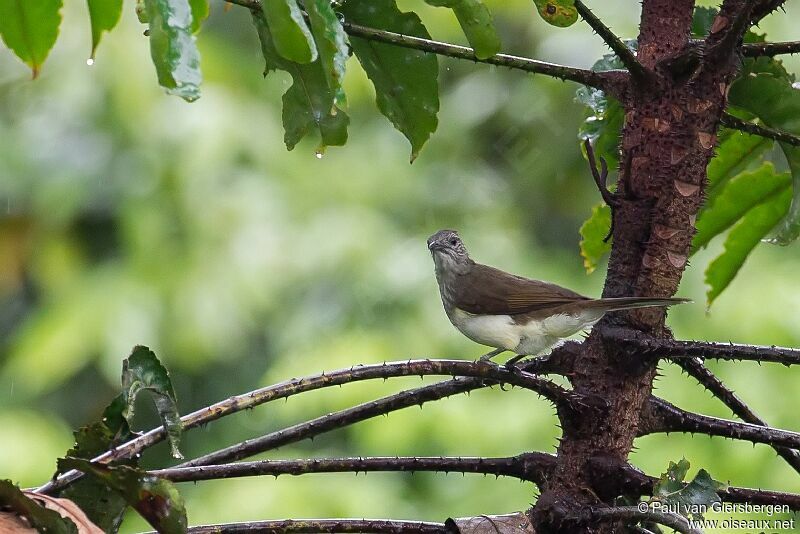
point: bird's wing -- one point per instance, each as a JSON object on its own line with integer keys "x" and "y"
{"x": 490, "y": 291}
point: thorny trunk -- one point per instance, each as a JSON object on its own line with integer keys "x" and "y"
{"x": 668, "y": 140}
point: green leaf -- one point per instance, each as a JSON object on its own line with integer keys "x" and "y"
{"x": 156, "y": 500}
{"x": 290, "y": 35}
{"x": 561, "y": 13}
{"x": 593, "y": 232}
{"x": 103, "y": 15}
{"x": 740, "y": 195}
{"x": 605, "y": 116}
{"x": 172, "y": 47}
{"x": 671, "y": 488}
{"x": 142, "y": 371}
{"x": 405, "y": 80}
{"x": 476, "y": 22}
{"x": 766, "y": 90}
{"x": 30, "y": 28}
{"x": 332, "y": 45}
{"x": 702, "y": 20}
{"x": 105, "y": 509}
{"x": 200, "y": 12}
{"x": 742, "y": 239}
{"x": 310, "y": 103}
{"x": 37, "y": 516}
{"x": 735, "y": 152}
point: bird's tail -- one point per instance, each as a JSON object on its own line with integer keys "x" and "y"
{"x": 627, "y": 303}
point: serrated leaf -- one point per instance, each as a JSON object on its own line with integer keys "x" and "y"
{"x": 593, "y": 232}
{"x": 156, "y": 500}
{"x": 701, "y": 490}
{"x": 173, "y": 48}
{"x": 37, "y": 516}
{"x": 103, "y": 16}
{"x": 290, "y": 36}
{"x": 477, "y": 24}
{"x": 737, "y": 197}
{"x": 742, "y": 239}
{"x": 105, "y": 509}
{"x": 200, "y": 12}
{"x": 405, "y": 80}
{"x": 142, "y": 371}
{"x": 30, "y": 28}
{"x": 310, "y": 103}
{"x": 332, "y": 45}
{"x": 561, "y": 13}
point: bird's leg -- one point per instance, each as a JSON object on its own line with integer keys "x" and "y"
{"x": 511, "y": 363}
{"x": 489, "y": 355}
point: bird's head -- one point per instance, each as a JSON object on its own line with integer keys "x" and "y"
{"x": 447, "y": 248}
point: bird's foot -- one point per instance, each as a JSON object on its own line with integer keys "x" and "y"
{"x": 489, "y": 355}
{"x": 511, "y": 364}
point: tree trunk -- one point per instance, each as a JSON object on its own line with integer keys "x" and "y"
{"x": 668, "y": 139}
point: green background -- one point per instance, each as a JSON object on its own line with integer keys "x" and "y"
{"x": 130, "y": 217}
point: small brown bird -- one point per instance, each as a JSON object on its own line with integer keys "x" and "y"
{"x": 511, "y": 312}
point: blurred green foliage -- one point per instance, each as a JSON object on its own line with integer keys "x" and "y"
{"x": 130, "y": 217}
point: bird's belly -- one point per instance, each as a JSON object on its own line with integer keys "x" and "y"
{"x": 498, "y": 331}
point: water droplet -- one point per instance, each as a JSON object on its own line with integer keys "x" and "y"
{"x": 90, "y": 61}
{"x": 319, "y": 153}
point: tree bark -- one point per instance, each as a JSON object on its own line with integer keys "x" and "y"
{"x": 668, "y": 139}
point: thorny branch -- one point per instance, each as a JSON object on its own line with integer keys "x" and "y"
{"x": 770, "y": 49}
{"x": 281, "y": 526}
{"x": 628, "y": 58}
{"x": 661, "y": 416}
{"x": 671, "y": 349}
{"x": 695, "y": 367}
{"x": 478, "y": 370}
{"x": 731, "y": 121}
{"x": 532, "y": 467}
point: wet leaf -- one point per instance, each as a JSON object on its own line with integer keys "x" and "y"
{"x": 737, "y": 197}
{"x": 477, "y": 23}
{"x": 405, "y": 80}
{"x": 173, "y": 48}
{"x": 332, "y": 45}
{"x": 561, "y": 13}
{"x": 37, "y": 516}
{"x": 700, "y": 491}
{"x": 742, "y": 239}
{"x": 593, "y": 232}
{"x": 736, "y": 151}
{"x": 290, "y": 36}
{"x": 103, "y": 16}
{"x": 30, "y": 28}
{"x": 156, "y": 500}
{"x": 142, "y": 371}
{"x": 199, "y": 13}
{"x": 310, "y": 101}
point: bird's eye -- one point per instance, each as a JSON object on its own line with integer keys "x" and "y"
{"x": 454, "y": 242}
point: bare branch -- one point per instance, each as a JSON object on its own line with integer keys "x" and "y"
{"x": 281, "y": 526}
{"x": 662, "y": 416}
{"x": 633, "y": 514}
{"x": 727, "y": 29}
{"x": 610, "y": 81}
{"x": 342, "y": 418}
{"x": 751, "y": 128}
{"x": 637, "y": 70}
{"x": 695, "y": 368}
{"x": 671, "y": 349}
{"x": 532, "y": 467}
{"x": 342, "y": 376}
{"x": 770, "y": 49}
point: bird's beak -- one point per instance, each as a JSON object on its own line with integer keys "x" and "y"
{"x": 433, "y": 245}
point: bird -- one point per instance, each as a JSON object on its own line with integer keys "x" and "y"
{"x": 514, "y": 313}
